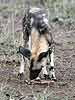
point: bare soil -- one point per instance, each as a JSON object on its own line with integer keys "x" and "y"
{"x": 63, "y": 89}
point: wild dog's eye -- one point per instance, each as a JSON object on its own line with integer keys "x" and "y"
{"x": 42, "y": 55}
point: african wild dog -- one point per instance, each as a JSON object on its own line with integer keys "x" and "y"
{"x": 37, "y": 39}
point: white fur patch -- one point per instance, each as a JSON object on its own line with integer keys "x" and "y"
{"x": 52, "y": 59}
{"x": 52, "y": 73}
{"x": 45, "y": 20}
{"x": 32, "y": 20}
{"x": 22, "y": 65}
{"x": 43, "y": 63}
{"x": 44, "y": 70}
{"x": 30, "y": 43}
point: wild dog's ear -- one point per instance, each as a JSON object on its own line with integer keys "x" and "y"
{"x": 25, "y": 52}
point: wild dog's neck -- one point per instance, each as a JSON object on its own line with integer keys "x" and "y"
{"x": 38, "y": 43}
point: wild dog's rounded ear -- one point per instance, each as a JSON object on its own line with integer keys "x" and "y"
{"x": 25, "y": 52}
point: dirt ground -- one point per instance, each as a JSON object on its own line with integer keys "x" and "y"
{"x": 63, "y": 89}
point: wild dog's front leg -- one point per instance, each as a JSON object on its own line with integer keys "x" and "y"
{"x": 22, "y": 59}
{"x": 21, "y": 70}
{"x": 52, "y": 71}
{"x": 44, "y": 69}
{"x": 22, "y": 65}
{"x": 52, "y": 59}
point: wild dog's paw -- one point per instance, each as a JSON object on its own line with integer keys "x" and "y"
{"x": 52, "y": 73}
